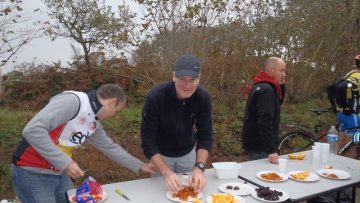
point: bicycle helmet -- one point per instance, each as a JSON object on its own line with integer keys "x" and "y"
{"x": 357, "y": 61}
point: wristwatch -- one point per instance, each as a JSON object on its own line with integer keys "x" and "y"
{"x": 200, "y": 165}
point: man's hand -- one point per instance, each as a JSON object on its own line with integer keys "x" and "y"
{"x": 74, "y": 171}
{"x": 273, "y": 158}
{"x": 197, "y": 179}
{"x": 149, "y": 168}
{"x": 172, "y": 180}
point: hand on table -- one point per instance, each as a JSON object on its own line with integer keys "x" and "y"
{"x": 172, "y": 181}
{"x": 273, "y": 158}
{"x": 74, "y": 171}
{"x": 197, "y": 179}
{"x": 149, "y": 168}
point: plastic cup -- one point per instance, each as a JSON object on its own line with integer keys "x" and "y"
{"x": 325, "y": 152}
{"x": 317, "y": 144}
{"x": 282, "y": 165}
{"x": 316, "y": 152}
{"x": 184, "y": 178}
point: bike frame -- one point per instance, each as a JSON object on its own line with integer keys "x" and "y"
{"x": 320, "y": 130}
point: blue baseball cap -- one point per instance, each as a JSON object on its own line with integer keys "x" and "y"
{"x": 187, "y": 65}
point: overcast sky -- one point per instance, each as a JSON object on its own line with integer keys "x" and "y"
{"x": 46, "y": 51}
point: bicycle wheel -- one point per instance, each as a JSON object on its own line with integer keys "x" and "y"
{"x": 294, "y": 141}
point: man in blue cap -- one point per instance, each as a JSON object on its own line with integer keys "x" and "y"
{"x": 176, "y": 127}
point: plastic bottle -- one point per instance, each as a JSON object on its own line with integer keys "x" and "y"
{"x": 356, "y": 137}
{"x": 332, "y": 138}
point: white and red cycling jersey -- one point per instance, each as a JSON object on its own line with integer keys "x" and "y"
{"x": 66, "y": 136}
{"x": 61, "y": 126}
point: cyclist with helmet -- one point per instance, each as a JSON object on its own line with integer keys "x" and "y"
{"x": 354, "y": 75}
{"x": 349, "y": 118}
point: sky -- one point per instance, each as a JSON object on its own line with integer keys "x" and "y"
{"x": 44, "y": 50}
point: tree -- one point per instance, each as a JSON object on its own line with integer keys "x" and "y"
{"x": 14, "y": 31}
{"x": 89, "y": 23}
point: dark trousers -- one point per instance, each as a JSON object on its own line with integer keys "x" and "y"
{"x": 256, "y": 155}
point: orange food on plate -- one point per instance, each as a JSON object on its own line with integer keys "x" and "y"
{"x": 331, "y": 175}
{"x": 300, "y": 156}
{"x": 271, "y": 176}
{"x": 186, "y": 192}
{"x": 196, "y": 201}
{"x": 328, "y": 167}
{"x": 223, "y": 198}
{"x": 301, "y": 175}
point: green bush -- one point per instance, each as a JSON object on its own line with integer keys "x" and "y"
{"x": 11, "y": 125}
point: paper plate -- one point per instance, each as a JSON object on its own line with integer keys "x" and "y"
{"x": 283, "y": 176}
{"x": 282, "y": 198}
{"x": 328, "y": 173}
{"x": 244, "y": 189}
{"x": 311, "y": 178}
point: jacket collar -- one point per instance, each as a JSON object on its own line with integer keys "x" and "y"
{"x": 263, "y": 77}
{"x": 94, "y": 102}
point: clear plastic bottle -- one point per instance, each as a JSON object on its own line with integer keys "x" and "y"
{"x": 332, "y": 138}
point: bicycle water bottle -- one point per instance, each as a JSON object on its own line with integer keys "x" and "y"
{"x": 332, "y": 138}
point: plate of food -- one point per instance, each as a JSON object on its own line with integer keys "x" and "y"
{"x": 99, "y": 197}
{"x": 335, "y": 174}
{"x": 303, "y": 176}
{"x": 236, "y": 188}
{"x": 224, "y": 198}
{"x": 268, "y": 194}
{"x": 186, "y": 194}
{"x": 271, "y": 176}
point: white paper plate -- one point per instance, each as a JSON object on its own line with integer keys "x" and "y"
{"x": 282, "y": 198}
{"x": 190, "y": 199}
{"x": 311, "y": 178}
{"x": 284, "y": 176}
{"x": 342, "y": 175}
{"x": 238, "y": 199}
{"x": 244, "y": 189}
{"x": 104, "y": 197}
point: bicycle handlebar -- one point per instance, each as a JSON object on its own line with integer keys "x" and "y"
{"x": 320, "y": 110}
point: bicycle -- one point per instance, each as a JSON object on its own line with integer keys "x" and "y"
{"x": 301, "y": 138}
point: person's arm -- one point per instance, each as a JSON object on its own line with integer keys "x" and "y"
{"x": 204, "y": 140}
{"x": 265, "y": 105}
{"x": 58, "y": 111}
{"x": 115, "y": 152}
{"x": 149, "y": 128}
{"x": 204, "y": 124}
{"x": 149, "y": 133}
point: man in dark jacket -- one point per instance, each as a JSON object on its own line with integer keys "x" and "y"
{"x": 176, "y": 128}
{"x": 260, "y": 135}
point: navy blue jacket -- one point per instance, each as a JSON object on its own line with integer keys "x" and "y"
{"x": 171, "y": 126}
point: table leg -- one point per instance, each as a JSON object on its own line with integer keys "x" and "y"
{"x": 338, "y": 194}
{"x": 353, "y": 194}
